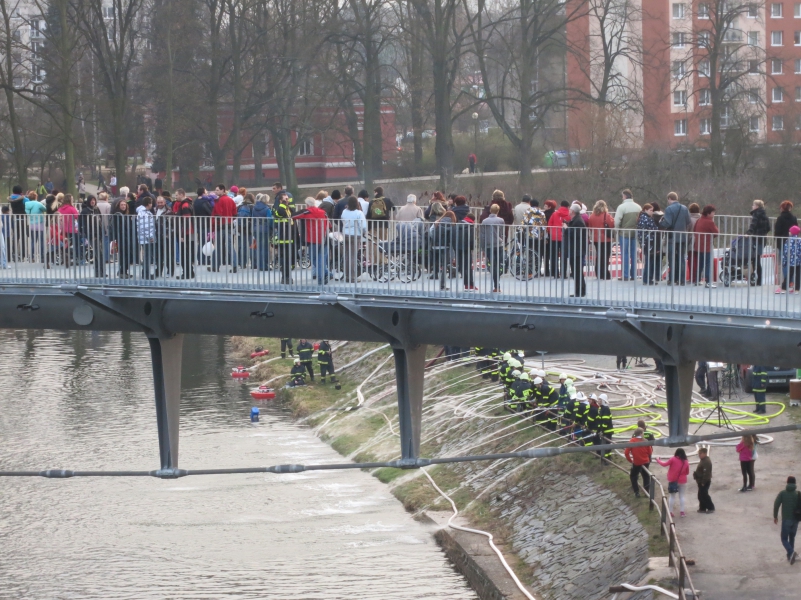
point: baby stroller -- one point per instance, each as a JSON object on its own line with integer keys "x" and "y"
{"x": 738, "y": 260}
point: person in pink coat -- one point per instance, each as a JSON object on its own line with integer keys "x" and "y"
{"x": 68, "y": 224}
{"x": 678, "y": 469}
{"x": 747, "y": 451}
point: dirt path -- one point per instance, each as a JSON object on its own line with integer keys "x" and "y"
{"x": 737, "y": 550}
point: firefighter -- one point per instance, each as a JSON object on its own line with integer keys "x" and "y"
{"x": 305, "y": 351}
{"x": 759, "y": 385}
{"x": 564, "y": 394}
{"x": 581, "y": 419}
{"x": 285, "y": 236}
{"x": 481, "y": 355}
{"x": 488, "y": 364}
{"x": 286, "y": 344}
{"x": 569, "y": 415}
{"x": 593, "y": 423}
{"x": 605, "y": 422}
{"x": 297, "y": 376}
{"x": 503, "y": 367}
{"x": 495, "y": 359}
{"x": 520, "y": 392}
{"x": 325, "y": 359}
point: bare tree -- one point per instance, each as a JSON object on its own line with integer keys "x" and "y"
{"x": 12, "y": 71}
{"x": 112, "y": 33}
{"x": 728, "y": 63}
{"x": 445, "y": 30}
{"x": 519, "y": 51}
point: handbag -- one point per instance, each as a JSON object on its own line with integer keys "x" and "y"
{"x": 673, "y": 487}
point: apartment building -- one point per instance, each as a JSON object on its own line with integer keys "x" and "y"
{"x": 672, "y": 49}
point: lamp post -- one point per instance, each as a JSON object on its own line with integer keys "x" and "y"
{"x": 475, "y": 132}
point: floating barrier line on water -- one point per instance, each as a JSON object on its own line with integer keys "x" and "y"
{"x": 411, "y": 463}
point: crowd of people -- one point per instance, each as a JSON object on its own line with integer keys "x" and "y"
{"x": 447, "y": 237}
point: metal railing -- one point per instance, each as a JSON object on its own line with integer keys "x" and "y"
{"x": 725, "y": 273}
{"x": 667, "y": 528}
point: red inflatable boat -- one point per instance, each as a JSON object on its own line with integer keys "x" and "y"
{"x": 240, "y": 372}
{"x": 259, "y": 353}
{"x": 262, "y": 393}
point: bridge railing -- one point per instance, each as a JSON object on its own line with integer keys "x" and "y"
{"x": 729, "y": 273}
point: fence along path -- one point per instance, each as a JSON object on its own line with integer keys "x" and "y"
{"x": 409, "y": 259}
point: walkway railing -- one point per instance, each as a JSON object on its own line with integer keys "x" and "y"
{"x": 728, "y": 273}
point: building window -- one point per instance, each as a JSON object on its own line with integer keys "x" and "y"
{"x": 753, "y": 123}
{"x": 776, "y": 10}
{"x": 679, "y": 98}
{"x": 678, "y": 69}
{"x": 753, "y": 11}
{"x": 753, "y": 38}
{"x": 797, "y": 66}
{"x": 798, "y": 122}
{"x": 306, "y": 148}
{"x": 798, "y": 94}
{"x": 777, "y": 123}
{"x": 37, "y": 74}
{"x": 797, "y": 38}
{"x": 680, "y": 125}
{"x": 108, "y": 12}
{"x": 776, "y": 66}
{"x": 703, "y": 68}
{"x": 703, "y": 39}
{"x": 778, "y": 94}
{"x": 678, "y": 11}
{"x": 704, "y": 97}
{"x": 797, "y": 10}
{"x": 725, "y": 117}
{"x": 706, "y": 126}
{"x": 753, "y": 66}
{"x": 753, "y": 96}
{"x": 776, "y": 38}
{"x": 703, "y": 11}
{"x": 678, "y": 39}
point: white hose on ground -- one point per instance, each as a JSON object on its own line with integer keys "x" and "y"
{"x": 359, "y": 394}
{"x": 506, "y": 566}
{"x": 655, "y": 588}
{"x": 363, "y": 356}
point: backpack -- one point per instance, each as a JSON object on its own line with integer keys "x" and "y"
{"x": 379, "y": 209}
{"x": 244, "y": 211}
{"x": 797, "y": 511}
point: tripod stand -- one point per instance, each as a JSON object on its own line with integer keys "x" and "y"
{"x": 722, "y": 418}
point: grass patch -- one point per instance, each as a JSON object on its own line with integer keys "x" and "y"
{"x": 387, "y": 474}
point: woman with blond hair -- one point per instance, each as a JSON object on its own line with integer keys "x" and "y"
{"x": 601, "y": 224}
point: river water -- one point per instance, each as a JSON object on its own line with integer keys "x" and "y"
{"x": 84, "y": 400}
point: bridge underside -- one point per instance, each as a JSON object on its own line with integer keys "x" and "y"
{"x": 409, "y": 325}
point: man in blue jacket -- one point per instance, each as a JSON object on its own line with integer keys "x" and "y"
{"x": 676, "y": 221}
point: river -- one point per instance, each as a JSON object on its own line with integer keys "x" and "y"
{"x": 84, "y": 400}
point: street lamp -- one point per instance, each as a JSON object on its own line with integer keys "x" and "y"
{"x": 475, "y": 132}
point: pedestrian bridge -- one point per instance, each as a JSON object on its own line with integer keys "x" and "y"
{"x": 400, "y": 285}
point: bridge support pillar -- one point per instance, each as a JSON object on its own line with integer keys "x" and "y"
{"x": 409, "y": 372}
{"x": 679, "y": 392}
{"x": 166, "y": 355}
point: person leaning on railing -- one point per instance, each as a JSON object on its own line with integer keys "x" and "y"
{"x": 676, "y": 223}
{"x": 491, "y": 237}
{"x": 354, "y": 229}
{"x": 647, "y": 236}
{"x": 704, "y": 233}
{"x": 759, "y": 228}
{"x": 601, "y": 223}
{"x": 781, "y": 231}
{"x": 626, "y": 217}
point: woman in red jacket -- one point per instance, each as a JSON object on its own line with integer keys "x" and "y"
{"x": 555, "y": 226}
{"x": 705, "y": 232}
{"x": 600, "y": 224}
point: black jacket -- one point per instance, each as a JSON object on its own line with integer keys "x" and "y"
{"x": 575, "y": 237}
{"x": 760, "y": 224}
{"x": 461, "y": 212}
{"x": 784, "y": 221}
{"x": 305, "y": 351}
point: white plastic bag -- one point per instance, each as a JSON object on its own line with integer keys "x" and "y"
{"x": 208, "y": 248}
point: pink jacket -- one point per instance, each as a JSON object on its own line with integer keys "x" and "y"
{"x": 677, "y": 469}
{"x": 746, "y": 453}
{"x": 69, "y": 224}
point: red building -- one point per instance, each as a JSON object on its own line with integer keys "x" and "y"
{"x": 327, "y": 155}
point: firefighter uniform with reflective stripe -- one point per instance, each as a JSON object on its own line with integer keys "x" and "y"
{"x": 495, "y": 358}
{"x": 297, "y": 374}
{"x": 520, "y": 392}
{"x": 305, "y": 351}
{"x": 759, "y": 385}
{"x": 325, "y": 358}
{"x": 286, "y": 344}
{"x": 285, "y": 238}
{"x": 605, "y": 424}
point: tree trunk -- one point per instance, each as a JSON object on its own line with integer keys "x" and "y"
{"x": 169, "y": 134}
{"x": 120, "y": 141}
{"x": 66, "y": 96}
{"x": 258, "y": 152}
{"x": 443, "y": 122}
